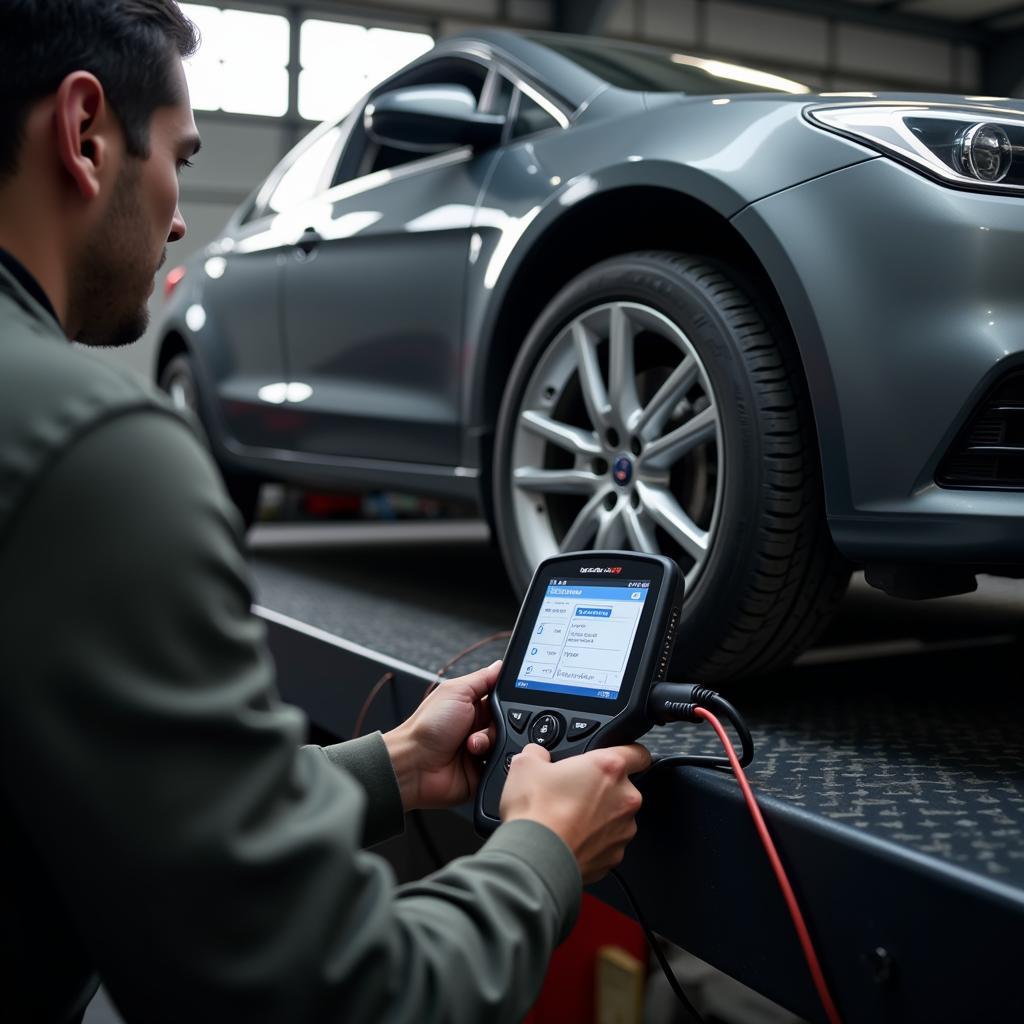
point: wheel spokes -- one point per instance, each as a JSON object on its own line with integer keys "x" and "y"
{"x": 611, "y": 532}
{"x": 178, "y": 395}
{"x": 585, "y": 525}
{"x": 574, "y": 440}
{"x": 639, "y": 533}
{"x": 663, "y": 452}
{"x": 595, "y": 395}
{"x": 660, "y": 457}
{"x": 659, "y": 408}
{"x": 666, "y": 511}
{"x": 557, "y": 481}
{"x": 622, "y": 368}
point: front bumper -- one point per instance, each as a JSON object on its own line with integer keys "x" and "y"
{"x": 906, "y": 301}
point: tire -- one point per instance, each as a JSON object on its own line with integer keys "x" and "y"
{"x": 178, "y": 379}
{"x": 709, "y": 425}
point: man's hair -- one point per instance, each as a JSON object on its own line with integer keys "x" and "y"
{"x": 129, "y": 45}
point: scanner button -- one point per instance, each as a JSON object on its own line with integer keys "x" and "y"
{"x": 580, "y": 727}
{"x": 517, "y": 718}
{"x": 508, "y": 760}
{"x": 545, "y": 730}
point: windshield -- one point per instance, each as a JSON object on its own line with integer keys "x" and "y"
{"x": 650, "y": 69}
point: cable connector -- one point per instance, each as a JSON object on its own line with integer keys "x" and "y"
{"x": 677, "y": 702}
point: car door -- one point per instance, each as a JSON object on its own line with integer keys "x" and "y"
{"x": 374, "y": 293}
{"x": 243, "y": 294}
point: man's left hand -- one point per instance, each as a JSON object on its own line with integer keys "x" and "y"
{"x": 436, "y": 750}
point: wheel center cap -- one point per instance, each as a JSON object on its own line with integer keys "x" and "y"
{"x": 622, "y": 470}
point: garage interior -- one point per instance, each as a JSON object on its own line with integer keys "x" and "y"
{"x": 888, "y": 757}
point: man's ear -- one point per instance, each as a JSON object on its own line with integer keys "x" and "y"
{"x": 84, "y": 123}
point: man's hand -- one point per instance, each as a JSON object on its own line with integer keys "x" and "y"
{"x": 435, "y": 751}
{"x": 588, "y": 800}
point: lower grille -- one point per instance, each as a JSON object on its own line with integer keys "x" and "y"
{"x": 989, "y": 451}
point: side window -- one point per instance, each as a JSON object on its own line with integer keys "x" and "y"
{"x": 363, "y": 156}
{"x": 302, "y": 180}
{"x": 530, "y": 117}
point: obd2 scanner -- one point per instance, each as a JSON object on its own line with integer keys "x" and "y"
{"x": 595, "y": 631}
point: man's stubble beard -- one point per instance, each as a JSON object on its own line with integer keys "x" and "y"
{"x": 111, "y": 284}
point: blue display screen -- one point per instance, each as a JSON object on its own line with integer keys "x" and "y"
{"x": 581, "y": 639}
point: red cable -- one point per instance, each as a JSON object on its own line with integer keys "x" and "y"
{"x": 780, "y": 872}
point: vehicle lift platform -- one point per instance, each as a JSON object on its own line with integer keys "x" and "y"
{"x": 889, "y": 764}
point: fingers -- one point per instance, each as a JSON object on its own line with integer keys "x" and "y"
{"x": 637, "y": 758}
{"x": 535, "y": 752}
{"x": 482, "y": 714}
{"x": 480, "y": 742}
{"x": 478, "y": 683}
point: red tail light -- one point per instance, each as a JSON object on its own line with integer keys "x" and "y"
{"x": 172, "y": 280}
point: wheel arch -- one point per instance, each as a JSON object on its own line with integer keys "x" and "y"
{"x": 172, "y": 344}
{"x": 604, "y": 225}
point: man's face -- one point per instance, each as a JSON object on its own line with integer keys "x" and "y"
{"x": 116, "y": 272}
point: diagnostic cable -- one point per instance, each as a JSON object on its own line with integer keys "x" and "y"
{"x": 675, "y": 702}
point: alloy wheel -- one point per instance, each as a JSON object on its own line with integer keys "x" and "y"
{"x": 618, "y": 441}
{"x": 181, "y": 389}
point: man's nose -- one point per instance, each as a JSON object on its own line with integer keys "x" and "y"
{"x": 178, "y": 228}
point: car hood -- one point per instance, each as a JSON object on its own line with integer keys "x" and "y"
{"x": 1002, "y": 104}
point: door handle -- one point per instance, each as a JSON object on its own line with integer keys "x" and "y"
{"x": 308, "y": 241}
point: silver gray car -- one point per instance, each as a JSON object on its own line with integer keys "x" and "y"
{"x": 624, "y": 297}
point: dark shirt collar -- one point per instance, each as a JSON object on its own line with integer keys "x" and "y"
{"x": 28, "y": 282}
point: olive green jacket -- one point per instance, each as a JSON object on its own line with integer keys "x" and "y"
{"x": 162, "y": 826}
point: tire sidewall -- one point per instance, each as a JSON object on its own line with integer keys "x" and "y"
{"x": 680, "y": 297}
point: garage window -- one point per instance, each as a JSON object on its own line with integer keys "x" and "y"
{"x": 342, "y": 62}
{"x": 242, "y": 62}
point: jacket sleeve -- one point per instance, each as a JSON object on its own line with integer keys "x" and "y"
{"x": 212, "y": 867}
{"x": 368, "y": 760}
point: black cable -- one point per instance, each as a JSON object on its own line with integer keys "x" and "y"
{"x": 652, "y": 941}
{"x": 675, "y": 702}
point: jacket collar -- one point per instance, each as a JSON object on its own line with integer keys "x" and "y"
{"x": 14, "y": 285}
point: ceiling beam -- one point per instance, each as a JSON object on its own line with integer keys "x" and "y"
{"x": 881, "y": 17}
{"x": 582, "y": 17}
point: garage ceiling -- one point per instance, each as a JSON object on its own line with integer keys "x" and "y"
{"x": 983, "y": 13}
{"x": 994, "y": 27}
{"x": 972, "y": 20}
{"x": 978, "y": 22}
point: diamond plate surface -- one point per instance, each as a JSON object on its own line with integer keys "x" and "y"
{"x": 905, "y": 724}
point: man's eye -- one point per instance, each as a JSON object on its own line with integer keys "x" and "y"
{"x": 182, "y": 164}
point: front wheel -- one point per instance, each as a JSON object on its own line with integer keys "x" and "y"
{"x": 178, "y": 379}
{"x": 652, "y": 407}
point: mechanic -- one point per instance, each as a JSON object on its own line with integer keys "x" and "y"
{"x": 164, "y": 829}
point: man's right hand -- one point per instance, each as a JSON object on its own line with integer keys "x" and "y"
{"x": 587, "y": 800}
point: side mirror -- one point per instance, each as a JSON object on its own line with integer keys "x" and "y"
{"x": 430, "y": 118}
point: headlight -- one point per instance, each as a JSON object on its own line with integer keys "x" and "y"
{"x": 973, "y": 147}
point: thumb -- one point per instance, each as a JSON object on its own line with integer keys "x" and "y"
{"x": 480, "y": 682}
{"x": 535, "y": 752}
